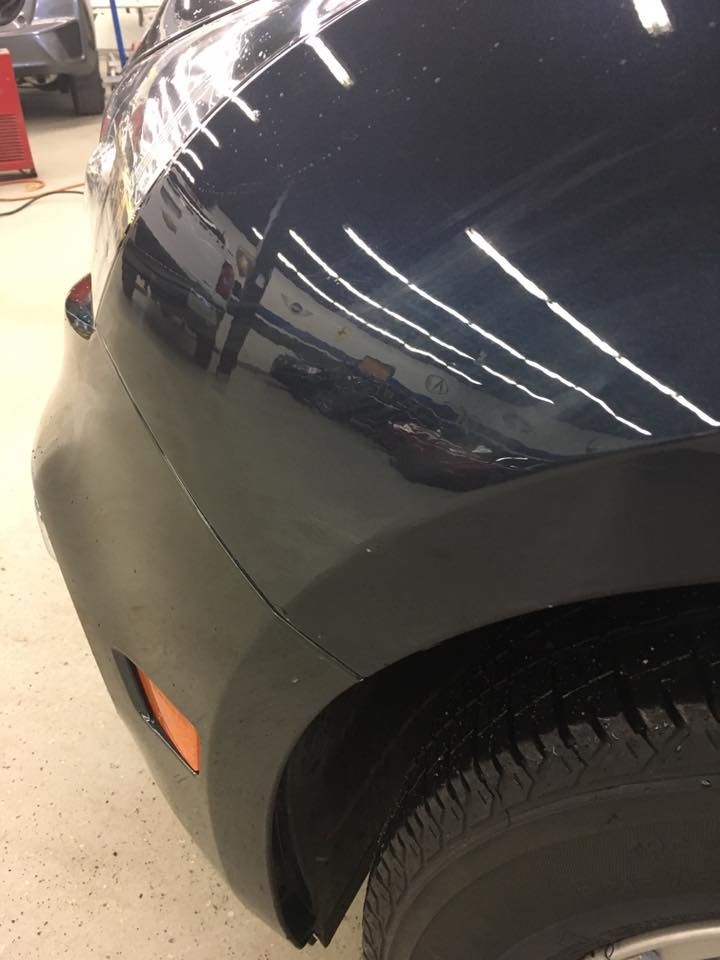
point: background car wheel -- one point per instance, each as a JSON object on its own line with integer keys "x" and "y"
{"x": 569, "y": 804}
{"x": 88, "y": 94}
{"x": 50, "y": 82}
{"x": 129, "y": 279}
{"x": 327, "y": 404}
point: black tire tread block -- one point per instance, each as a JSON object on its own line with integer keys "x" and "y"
{"x": 88, "y": 94}
{"x": 548, "y": 718}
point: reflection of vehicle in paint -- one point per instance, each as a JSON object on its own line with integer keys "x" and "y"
{"x": 148, "y": 260}
{"x": 341, "y": 390}
{"x": 304, "y": 380}
{"x": 425, "y": 456}
{"x": 194, "y": 308}
{"x": 364, "y": 394}
{"x": 154, "y": 248}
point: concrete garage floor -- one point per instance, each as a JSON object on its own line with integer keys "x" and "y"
{"x": 94, "y": 864}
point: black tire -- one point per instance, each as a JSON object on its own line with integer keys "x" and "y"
{"x": 88, "y": 94}
{"x": 203, "y": 352}
{"x": 572, "y": 801}
{"x": 328, "y": 404}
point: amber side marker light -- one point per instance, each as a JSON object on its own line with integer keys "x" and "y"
{"x": 175, "y": 725}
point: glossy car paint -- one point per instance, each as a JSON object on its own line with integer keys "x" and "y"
{"x": 179, "y": 16}
{"x": 514, "y": 210}
{"x": 498, "y": 223}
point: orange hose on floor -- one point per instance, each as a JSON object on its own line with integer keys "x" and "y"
{"x": 33, "y": 186}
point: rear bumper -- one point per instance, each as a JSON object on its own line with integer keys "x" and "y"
{"x": 151, "y": 581}
{"x": 49, "y": 46}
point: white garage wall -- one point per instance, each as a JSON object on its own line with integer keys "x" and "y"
{"x": 130, "y": 22}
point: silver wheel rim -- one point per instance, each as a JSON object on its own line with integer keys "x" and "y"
{"x": 693, "y": 941}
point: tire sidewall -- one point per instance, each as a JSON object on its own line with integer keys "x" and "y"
{"x": 560, "y": 879}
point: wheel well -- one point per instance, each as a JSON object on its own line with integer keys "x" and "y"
{"x": 353, "y": 764}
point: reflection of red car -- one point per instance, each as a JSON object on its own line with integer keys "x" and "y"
{"x": 225, "y": 281}
{"x": 425, "y": 456}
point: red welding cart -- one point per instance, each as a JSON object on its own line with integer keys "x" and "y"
{"x": 16, "y": 161}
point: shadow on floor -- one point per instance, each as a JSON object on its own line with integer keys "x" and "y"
{"x": 52, "y": 107}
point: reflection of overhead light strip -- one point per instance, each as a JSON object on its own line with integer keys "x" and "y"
{"x": 194, "y": 157}
{"x": 185, "y": 170}
{"x": 532, "y": 288}
{"x": 375, "y": 256}
{"x": 400, "y": 318}
{"x": 677, "y": 397}
{"x": 171, "y": 131}
{"x": 581, "y": 328}
{"x": 385, "y": 333}
{"x": 586, "y": 393}
{"x": 371, "y": 326}
{"x": 257, "y": 233}
{"x": 306, "y": 280}
{"x": 502, "y": 344}
{"x": 152, "y": 128}
{"x": 311, "y": 253}
{"x": 508, "y": 267}
{"x": 180, "y": 82}
{"x": 460, "y": 373}
{"x": 448, "y": 366}
{"x": 458, "y": 316}
{"x": 653, "y": 16}
{"x": 502, "y": 376}
{"x": 211, "y": 136}
{"x": 336, "y": 68}
{"x": 249, "y": 112}
{"x": 369, "y": 300}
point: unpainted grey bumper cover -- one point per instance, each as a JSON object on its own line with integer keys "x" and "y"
{"x": 62, "y": 42}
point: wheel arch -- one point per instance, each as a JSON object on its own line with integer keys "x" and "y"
{"x": 353, "y": 764}
{"x": 636, "y": 520}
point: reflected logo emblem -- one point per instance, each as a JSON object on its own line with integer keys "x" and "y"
{"x": 295, "y": 307}
{"x": 435, "y": 385}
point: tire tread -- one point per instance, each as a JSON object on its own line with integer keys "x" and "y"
{"x": 542, "y": 720}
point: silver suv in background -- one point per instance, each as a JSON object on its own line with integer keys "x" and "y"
{"x": 52, "y": 45}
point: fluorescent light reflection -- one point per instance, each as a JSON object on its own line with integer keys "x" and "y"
{"x": 502, "y": 344}
{"x": 527, "y": 284}
{"x": 194, "y": 157}
{"x": 211, "y": 136}
{"x": 181, "y": 82}
{"x": 311, "y": 253}
{"x": 582, "y": 329}
{"x": 514, "y": 383}
{"x": 331, "y": 272}
{"x": 185, "y": 170}
{"x": 243, "y": 105}
{"x": 653, "y": 16}
{"x": 310, "y": 26}
{"x": 336, "y": 68}
{"x": 257, "y": 233}
{"x": 371, "y": 326}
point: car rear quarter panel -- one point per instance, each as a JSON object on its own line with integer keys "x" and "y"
{"x": 512, "y": 211}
